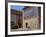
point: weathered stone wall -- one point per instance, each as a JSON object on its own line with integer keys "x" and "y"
{"x": 32, "y": 23}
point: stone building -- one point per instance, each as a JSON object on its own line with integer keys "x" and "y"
{"x": 31, "y": 18}
{"x": 17, "y": 18}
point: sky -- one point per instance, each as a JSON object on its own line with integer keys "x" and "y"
{"x": 28, "y": 12}
{"x": 17, "y": 7}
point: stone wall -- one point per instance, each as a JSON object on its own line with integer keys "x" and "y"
{"x": 32, "y": 23}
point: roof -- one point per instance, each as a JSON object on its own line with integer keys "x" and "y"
{"x": 15, "y": 12}
{"x": 27, "y": 7}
